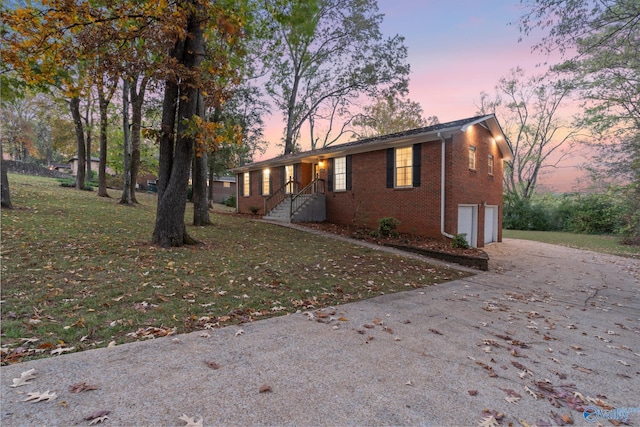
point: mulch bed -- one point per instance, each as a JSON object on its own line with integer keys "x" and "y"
{"x": 360, "y": 233}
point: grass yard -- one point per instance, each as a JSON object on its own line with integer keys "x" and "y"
{"x": 78, "y": 272}
{"x": 591, "y": 242}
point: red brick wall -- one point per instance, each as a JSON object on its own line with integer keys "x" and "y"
{"x": 472, "y": 187}
{"x": 418, "y": 209}
{"x": 220, "y": 192}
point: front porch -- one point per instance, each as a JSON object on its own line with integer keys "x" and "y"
{"x": 306, "y": 205}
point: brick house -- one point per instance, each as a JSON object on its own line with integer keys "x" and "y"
{"x": 438, "y": 181}
{"x": 223, "y": 187}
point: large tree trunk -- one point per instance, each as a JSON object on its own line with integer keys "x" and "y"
{"x": 137, "y": 100}
{"x": 212, "y": 177}
{"x": 5, "y": 194}
{"x": 126, "y": 189}
{"x": 74, "y": 105}
{"x": 88, "y": 177}
{"x": 102, "y": 168}
{"x": 175, "y": 159}
{"x": 199, "y": 178}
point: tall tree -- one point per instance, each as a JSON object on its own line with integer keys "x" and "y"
{"x": 125, "y": 199}
{"x": 105, "y": 89}
{"x": 391, "y": 114}
{"x": 324, "y": 52}
{"x": 600, "y": 44}
{"x": 19, "y": 126}
{"x": 536, "y": 133}
{"x": 181, "y": 125}
{"x": 138, "y": 88}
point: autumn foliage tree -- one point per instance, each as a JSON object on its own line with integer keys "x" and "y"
{"x": 46, "y": 48}
{"x": 389, "y": 115}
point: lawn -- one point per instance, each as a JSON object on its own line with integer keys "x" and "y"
{"x": 79, "y": 272}
{"x": 591, "y": 242}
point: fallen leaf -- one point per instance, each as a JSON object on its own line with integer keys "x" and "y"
{"x": 39, "y": 397}
{"x": 80, "y": 387}
{"x": 531, "y": 392}
{"x": 378, "y": 321}
{"x": 343, "y": 319}
{"x": 191, "y": 422}
{"x": 62, "y": 350}
{"x": 512, "y": 399}
{"x": 473, "y": 392}
{"x": 239, "y": 332}
{"x": 98, "y": 420}
{"x": 212, "y": 365}
{"x": 490, "y": 421}
{"x": 24, "y": 378}
{"x": 96, "y": 414}
{"x": 435, "y": 331}
{"x": 265, "y": 389}
{"x": 519, "y": 365}
{"x": 511, "y": 393}
{"x": 583, "y": 370}
{"x": 567, "y": 419}
{"x": 623, "y": 362}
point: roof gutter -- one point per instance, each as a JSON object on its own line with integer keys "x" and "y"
{"x": 442, "y": 190}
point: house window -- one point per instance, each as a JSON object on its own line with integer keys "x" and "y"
{"x": 246, "y": 185}
{"x": 226, "y": 184}
{"x": 490, "y": 164}
{"x": 404, "y": 167}
{"x": 472, "y": 158}
{"x": 288, "y": 175}
{"x": 340, "y": 174}
{"x": 266, "y": 182}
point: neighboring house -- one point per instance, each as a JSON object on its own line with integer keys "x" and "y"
{"x": 438, "y": 181}
{"x": 223, "y": 187}
{"x": 95, "y": 164}
{"x": 61, "y": 167}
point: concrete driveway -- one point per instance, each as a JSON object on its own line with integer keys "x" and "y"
{"x": 547, "y": 333}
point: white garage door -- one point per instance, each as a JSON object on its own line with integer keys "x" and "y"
{"x": 467, "y": 223}
{"x": 490, "y": 224}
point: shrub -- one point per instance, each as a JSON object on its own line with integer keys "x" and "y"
{"x": 71, "y": 183}
{"x": 254, "y": 210}
{"x": 460, "y": 241}
{"x": 387, "y": 227}
{"x": 230, "y": 201}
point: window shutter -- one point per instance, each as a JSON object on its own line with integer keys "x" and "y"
{"x": 330, "y": 175}
{"x": 390, "y": 166}
{"x": 348, "y": 164}
{"x": 283, "y": 176}
{"x": 270, "y": 184}
{"x": 296, "y": 172}
{"x": 417, "y": 156}
{"x": 260, "y": 182}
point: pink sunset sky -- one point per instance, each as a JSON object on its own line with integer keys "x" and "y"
{"x": 457, "y": 49}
